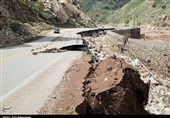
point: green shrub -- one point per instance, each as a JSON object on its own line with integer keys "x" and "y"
{"x": 165, "y": 25}
{"x": 127, "y": 22}
{"x": 154, "y": 5}
{"x": 14, "y": 25}
{"x": 39, "y": 6}
{"x": 163, "y": 6}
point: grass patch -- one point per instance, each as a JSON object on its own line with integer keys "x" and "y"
{"x": 101, "y": 9}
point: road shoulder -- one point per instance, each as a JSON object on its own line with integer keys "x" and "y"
{"x": 68, "y": 94}
{"x": 30, "y": 98}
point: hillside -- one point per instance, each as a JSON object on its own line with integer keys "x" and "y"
{"x": 143, "y": 11}
{"x": 22, "y": 20}
{"x": 100, "y": 9}
{"x": 128, "y": 11}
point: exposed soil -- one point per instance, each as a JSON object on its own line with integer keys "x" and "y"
{"x": 114, "y": 88}
{"x": 153, "y": 54}
{"x": 150, "y": 34}
{"x": 109, "y": 87}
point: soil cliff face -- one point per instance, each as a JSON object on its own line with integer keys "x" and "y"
{"x": 149, "y": 57}
{"x": 115, "y": 89}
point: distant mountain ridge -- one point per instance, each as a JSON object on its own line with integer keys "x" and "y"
{"x": 143, "y": 12}
{"x": 156, "y": 12}
{"x": 100, "y": 9}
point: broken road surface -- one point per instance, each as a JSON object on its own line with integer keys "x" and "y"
{"x": 28, "y": 79}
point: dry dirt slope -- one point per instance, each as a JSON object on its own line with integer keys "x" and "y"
{"x": 67, "y": 98}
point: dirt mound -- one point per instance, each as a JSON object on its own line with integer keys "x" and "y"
{"x": 115, "y": 88}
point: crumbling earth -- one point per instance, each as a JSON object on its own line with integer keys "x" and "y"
{"x": 118, "y": 83}
{"x": 113, "y": 87}
{"x": 149, "y": 57}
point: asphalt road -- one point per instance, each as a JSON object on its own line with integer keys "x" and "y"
{"x": 26, "y": 79}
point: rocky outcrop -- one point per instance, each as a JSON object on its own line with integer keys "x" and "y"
{"x": 72, "y": 10}
{"x": 6, "y": 34}
{"x": 13, "y": 29}
{"x": 65, "y": 10}
{"x": 14, "y": 32}
{"x": 4, "y": 17}
{"x": 21, "y": 20}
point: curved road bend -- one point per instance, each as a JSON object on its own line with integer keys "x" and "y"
{"x": 27, "y": 80}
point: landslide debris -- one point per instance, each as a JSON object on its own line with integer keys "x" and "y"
{"x": 113, "y": 87}
{"x": 51, "y": 50}
{"x": 153, "y": 54}
{"x": 111, "y": 43}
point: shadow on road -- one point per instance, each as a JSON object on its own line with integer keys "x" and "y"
{"x": 81, "y": 109}
{"x": 75, "y": 48}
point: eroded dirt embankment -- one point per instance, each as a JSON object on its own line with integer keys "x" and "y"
{"x": 110, "y": 43}
{"x": 115, "y": 88}
{"x": 117, "y": 83}
{"x": 108, "y": 87}
{"x": 149, "y": 57}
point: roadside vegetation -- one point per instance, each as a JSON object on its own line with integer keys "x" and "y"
{"x": 100, "y": 9}
{"x": 127, "y": 11}
{"x": 141, "y": 11}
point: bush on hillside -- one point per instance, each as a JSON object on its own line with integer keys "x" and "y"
{"x": 165, "y": 25}
{"x": 154, "y": 5}
{"x": 163, "y": 6}
{"x": 14, "y": 25}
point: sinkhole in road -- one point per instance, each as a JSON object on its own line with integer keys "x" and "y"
{"x": 74, "y": 48}
{"x": 64, "y": 49}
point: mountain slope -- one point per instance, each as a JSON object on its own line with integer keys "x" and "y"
{"x": 99, "y": 10}
{"x": 22, "y": 20}
{"x": 129, "y": 11}
{"x": 142, "y": 11}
